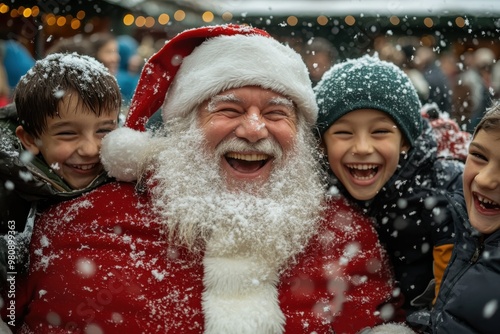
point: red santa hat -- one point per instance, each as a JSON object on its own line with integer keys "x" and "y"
{"x": 200, "y": 63}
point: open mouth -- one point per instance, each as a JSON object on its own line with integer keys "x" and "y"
{"x": 362, "y": 171}
{"x": 487, "y": 203}
{"x": 247, "y": 163}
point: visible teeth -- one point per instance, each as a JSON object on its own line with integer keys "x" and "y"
{"x": 485, "y": 200}
{"x": 362, "y": 166}
{"x": 84, "y": 167}
{"x": 248, "y": 157}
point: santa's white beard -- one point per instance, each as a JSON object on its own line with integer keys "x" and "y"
{"x": 247, "y": 236}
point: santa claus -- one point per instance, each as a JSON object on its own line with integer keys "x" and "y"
{"x": 219, "y": 223}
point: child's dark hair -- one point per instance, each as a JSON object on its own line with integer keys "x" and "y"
{"x": 39, "y": 92}
{"x": 490, "y": 120}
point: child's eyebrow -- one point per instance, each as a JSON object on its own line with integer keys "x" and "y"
{"x": 61, "y": 124}
{"x": 384, "y": 118}
{"x": 109, "y": 121}
{"x": 476, "y": 145}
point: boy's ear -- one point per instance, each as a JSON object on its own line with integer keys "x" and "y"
{"x": 27, "y": 140}
{"x": 405, "y": 146}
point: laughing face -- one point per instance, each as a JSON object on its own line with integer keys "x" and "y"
{"x": 71, "y": 141}
{"x": 482, "y": 181}
{"x": 250, "y": 129}
{"x": 363, "y": 149}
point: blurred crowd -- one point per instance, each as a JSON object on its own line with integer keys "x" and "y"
{"x": 462, "y": 86}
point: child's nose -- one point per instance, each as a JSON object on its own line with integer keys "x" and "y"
{"x": 488, "y": 178}
{"x": 362, "y": 146}
{"x": 89, "y": 146}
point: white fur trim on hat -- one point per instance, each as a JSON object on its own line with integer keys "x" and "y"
{"x": 227, "y": 62}
{"x": 121, "y": 153}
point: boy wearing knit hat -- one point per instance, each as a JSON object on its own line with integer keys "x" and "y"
{"x": 382, "y": 155}
{"x": 221, "y": 232}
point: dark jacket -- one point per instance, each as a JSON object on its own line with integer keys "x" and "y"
{"x": 412, "y": 214}
{"x": 469, "y": 296}
{"x": 25, "y": 185}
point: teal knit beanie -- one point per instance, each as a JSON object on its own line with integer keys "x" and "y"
{"x": 369, "y": 83}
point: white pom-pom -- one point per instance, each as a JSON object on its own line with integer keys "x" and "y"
{"x": 121, "y": 153}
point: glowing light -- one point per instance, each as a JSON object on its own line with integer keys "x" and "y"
{"x": 350, "y": 20}
{"x": 428, "y": 22}
{"x": 50, "y": 19}
{"x": 75, "y": 24}
{"x": 322, "y": 20}
{"x": 4, "y": 8}
{"x": 207, "y": 17}
{"x": 27, "y": 12}
{"x": 460, "y": 22}
{"x": 227, "y": 16}
{"x": 128, "y": 19}
{"x": 150, "y": 22}
{"x": 394, "y": 20}
{"x": 140, "y": 21}
{"x": 14, "y": 13}
{"x": 179, "y": 15}
{"x": 163, "y": 19}
{"x": 292, "y": 20}
{"x": 61, "y": 21}
{"x": 80, "y": 15}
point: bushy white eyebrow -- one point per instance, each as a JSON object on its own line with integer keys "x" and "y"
{"x": 282, "y": 101}
{"x": 232, "y": 98}
{"x": 221, "y": 98}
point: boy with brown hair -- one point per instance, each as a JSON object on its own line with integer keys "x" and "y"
{"x": 50, "y": 144}
{"x": 468, "y": 299}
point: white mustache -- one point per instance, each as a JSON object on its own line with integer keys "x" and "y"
{"x": 267, "y": 146}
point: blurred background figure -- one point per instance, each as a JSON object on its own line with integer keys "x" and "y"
{"x": 319, "y": 54}
{"x": 129, "y": 68}
{"x": 484, "y": 59}
{"x": 425, "y": 60}
{"x": 5, "y": 96}
{"x": 467, "y": 99}
{"x": 5, "y": 92}
{"x": 495, "y": 80}
{"x": 78, "y": 43}
{"x": 472, "y": 90}
{"x": 396, "y": 55}
{"x": 17, "y": 60}
{"x": 449, "y": 64}
{"x": 105, "y": 49}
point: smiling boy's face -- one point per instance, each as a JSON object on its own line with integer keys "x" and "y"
{"x": 71, "y": 141}
{"x": 363, "y": 149}
{"x": 482, "y": 181}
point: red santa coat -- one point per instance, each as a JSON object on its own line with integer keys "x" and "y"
{"x": 100, "y": 262}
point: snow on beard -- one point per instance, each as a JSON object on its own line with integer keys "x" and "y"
{"x": 272, "y": 222}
